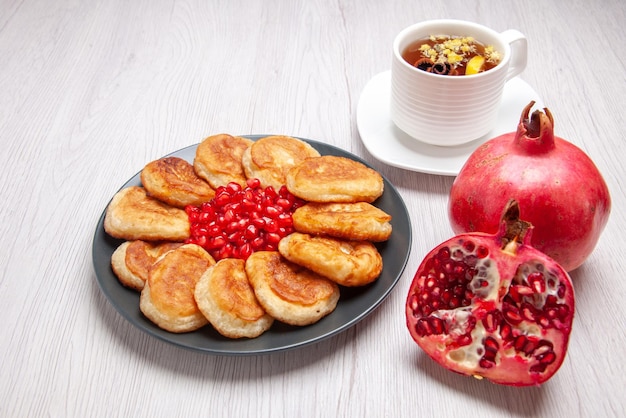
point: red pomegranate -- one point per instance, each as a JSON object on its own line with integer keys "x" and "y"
{"x": 558, "y": 187}
{"x": 493, "y": 306}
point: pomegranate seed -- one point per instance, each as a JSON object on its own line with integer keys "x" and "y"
{"x": 284, "y": 192}
{"x": 491, "y": 344}
{"x": 430, "y": 326}
{"x": 469, "y": 246}
{"x": 464, "y": 339}
{"x": 438, "y": 326}
{"x": 536, "y": 282}
{"x": 519, "y": 342}
{"x": 238, "y": 221}
{"x": 201, "y": 230}
{"x": 482, "y": 252}
{"x": 562, "y": 312}
{"x": 270, "y": 192}
{"x": 543, "y": 346}
{"x": 234, "y": 237}
{"x": 253, "y": 183}
{"x": 538, "y": 368}
{"x": 221, "y": 198}
{"x": 273, "y": 238}
{"x": 422, "y": 327}
{"x": 491, "y": 321}
{"x": 231, "y": 227}
{"x": 527, "y": 312}
{"x": 257, "y": 243}
{"x": 245, "y": 250}
{"x": 524, "y": 290}
{"x": 485, "y": 364}
{"x": 248, "y": 204}
{"x": 258, "y": 222}
{"x": 283, "y": 203}
{"x": 285, "y": 220}
{"x": 205, "y": 216}
{"x": 513, "y": 316}
{"x": 233, "y": 187}
{"x": 529, "y": 347}
{"x": 229, "y": 215}
{"x": 547, "y": 358}
{"x": 272, "y": 211}
{"x": 271, "y": 226}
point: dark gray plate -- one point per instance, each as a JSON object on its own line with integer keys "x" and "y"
{"x": 354, "y": 304}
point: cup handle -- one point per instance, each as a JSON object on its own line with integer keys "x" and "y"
{"x": 519, "y": 51}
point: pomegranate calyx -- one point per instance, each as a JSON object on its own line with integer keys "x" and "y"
{"x": 514, "y": 231}
{"x": 535, "y": 135}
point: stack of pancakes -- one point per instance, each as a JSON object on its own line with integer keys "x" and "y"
{"x": 183, "y": 288}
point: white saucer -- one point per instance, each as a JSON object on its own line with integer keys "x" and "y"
{"x": 389, "y": 144}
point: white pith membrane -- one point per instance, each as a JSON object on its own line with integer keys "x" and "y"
{"x": 486, "y": 285}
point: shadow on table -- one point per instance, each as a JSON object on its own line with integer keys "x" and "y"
{"x": 516, "y": 401}
{"x": 161, "y": 354}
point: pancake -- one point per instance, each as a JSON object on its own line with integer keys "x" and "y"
{"x": 270, "y": 158}
{"x": 359, "y": 221}
{"x": 218, "y": 159}
{"x": 226, "y": 299}
{"x": 173, "y": 180}
{"x": 167, "y": 298}
{"x": 334, "y": 179}
{"x": 132, "y": 215}
{"x": 347, "y": 263}
{"x": 132, "y": 260}
{"x": 289, "y": 292}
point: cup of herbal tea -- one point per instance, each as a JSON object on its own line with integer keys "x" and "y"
{"x": 448, "y": 77}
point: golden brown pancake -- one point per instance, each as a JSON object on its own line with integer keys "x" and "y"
{"x": 348, "y": 263}
{"x": 334, "y": 179}
{"x": 359, "y": 221}
{"x": 227, "y": 300}
{"x": 218, "y": 159}
{"x": 289, "y": 292}
{"x": 132, "y": 215}
{"x": 173, "y": 180}
{"x": 167, "y": 298}
{"x": 269, "y": 158}
{"x": 132, "y": 260}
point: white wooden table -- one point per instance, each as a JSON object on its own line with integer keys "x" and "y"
{"x": 90, "y": 91}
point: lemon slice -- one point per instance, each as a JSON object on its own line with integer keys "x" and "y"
{"x": 474, "y": 65}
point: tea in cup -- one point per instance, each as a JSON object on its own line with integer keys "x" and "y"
{"x": 448, "y": 77}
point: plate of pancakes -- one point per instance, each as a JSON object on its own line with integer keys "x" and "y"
{"x": 354, "y": 304}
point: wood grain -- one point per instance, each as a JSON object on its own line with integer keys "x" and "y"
{"x": 91, "y": 91}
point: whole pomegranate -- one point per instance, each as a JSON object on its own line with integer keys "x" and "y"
{"x": 493, "y": 306}
{"x": 558, "y": 187}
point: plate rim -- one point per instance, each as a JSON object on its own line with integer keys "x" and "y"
{"x": 173, "y": 338}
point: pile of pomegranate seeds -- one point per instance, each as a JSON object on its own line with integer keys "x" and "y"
{"x": 239, "y": 221}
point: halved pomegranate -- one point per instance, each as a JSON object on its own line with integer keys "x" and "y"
{"x": 493, "y": 306}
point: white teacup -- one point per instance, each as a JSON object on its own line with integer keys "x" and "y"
{"x": 452, "y": 110}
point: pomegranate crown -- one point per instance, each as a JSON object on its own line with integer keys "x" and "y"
{"x": 535, "y": 134}
{"x": 513, "y": 230}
